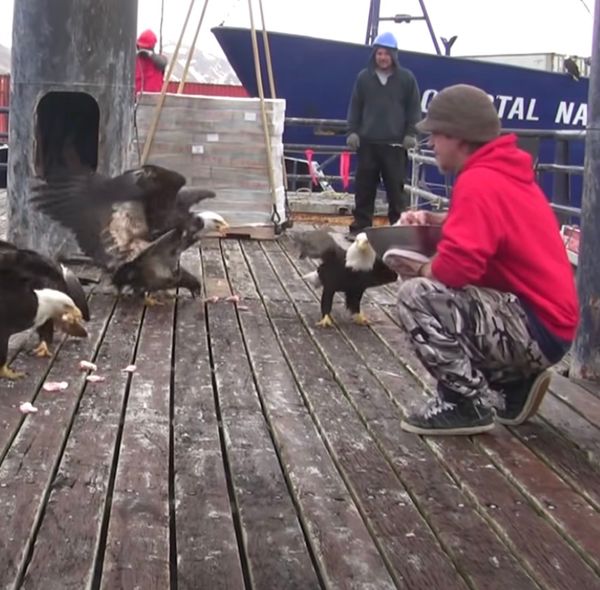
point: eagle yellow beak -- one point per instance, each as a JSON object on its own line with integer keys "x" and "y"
{"x": 70, "y": 323}
{"x": 222, "y": 227}
{"x": 362, "y": 244}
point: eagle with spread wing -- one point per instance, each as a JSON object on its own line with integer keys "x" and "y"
{"x": 37, "y": 292}
{"x": 135, "y": 224}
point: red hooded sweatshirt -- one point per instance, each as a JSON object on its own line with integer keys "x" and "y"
{"x": 501, "y": 233}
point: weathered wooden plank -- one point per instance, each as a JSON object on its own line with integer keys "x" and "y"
{"x": 572, "y": 426}
{"x": 28, "y": 468}
{"x": 571, "y": 513}
{"x": 463, "y": 534}
{"x": 79, "y": 490}
{"x": 564, "y": 457}
{"x": 138, "y": 538}
{"x": 274, "y": 544}
{"x": 577, "y": 397}
{"x": 405, "y": 539}
{"x": 555, "y": 563}
{"x": 207, "y": 549}
{"x": 336, "y": 532}
{"x": 240, "y": 278}
{"x": 12, "y": 393}
{"x": 268, "y": 284}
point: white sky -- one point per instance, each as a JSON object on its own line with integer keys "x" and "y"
{"x": 482, "y": 26}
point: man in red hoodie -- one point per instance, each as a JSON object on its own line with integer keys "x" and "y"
{"x": 497, "y": 305}
{"x": 149, "y": 66}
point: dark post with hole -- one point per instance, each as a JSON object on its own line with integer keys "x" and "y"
{"x": 585, "y": 363}
{"x": 71, "y": 102}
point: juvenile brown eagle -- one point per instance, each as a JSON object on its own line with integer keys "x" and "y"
{"x": 122, "y": 222}
{"x": 351, "y": 269}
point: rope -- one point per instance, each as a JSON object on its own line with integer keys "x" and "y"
{"x": 263, "y": 113}
{"x": 163, "y": 92}
{"x": 191, "y": 52}
{"x": 288, "y": 211}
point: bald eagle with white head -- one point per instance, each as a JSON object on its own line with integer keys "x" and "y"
{"x": 347, "y": 268}
{"x": 36, "y": 293}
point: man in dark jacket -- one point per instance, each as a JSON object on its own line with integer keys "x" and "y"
{"x": 384, "y": 109}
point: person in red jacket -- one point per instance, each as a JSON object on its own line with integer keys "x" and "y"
{"x": 497, "y": 304}
{"x": 149, "y": 66}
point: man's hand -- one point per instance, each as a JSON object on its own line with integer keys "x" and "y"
{"x": 353, "y": 141}
{"x": 409, "y": 142}
{"x": 421, "y": 217}
{"x": 406, "y": 268}
{"x": 412, "y": 217}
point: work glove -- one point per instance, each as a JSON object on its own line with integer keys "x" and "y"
{"x": 409, "y": 142}
{"x": 353, "y": 141}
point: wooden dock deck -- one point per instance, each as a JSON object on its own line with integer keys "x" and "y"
{"x": 251, "y": 449}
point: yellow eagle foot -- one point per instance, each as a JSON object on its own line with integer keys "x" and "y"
{"x": 42, "y": 350}
{"x": 8, "y": 373}
{"x": 360, "y": 319}
{"x": 325, "y": 322}
{"x": 150, "y": 301}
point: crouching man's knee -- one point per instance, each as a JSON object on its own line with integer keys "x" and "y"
{"x": 413, "y": 291}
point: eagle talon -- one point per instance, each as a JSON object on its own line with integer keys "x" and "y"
{"x": 360, "y": 319}
{"x": 150, "y": 301}
{"x": 42, "y": 350}
{"x": 8, "y": 373}
{"x": 325, "y": 322}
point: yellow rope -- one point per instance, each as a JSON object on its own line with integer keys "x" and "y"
{"x": 163, "y": 92}
{"x": 262, "y": 105}
{"x": 191, "y": 52}
{"x": 271, "y": 80}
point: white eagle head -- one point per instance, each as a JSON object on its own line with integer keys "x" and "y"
{"x": 360, "y": 256}
{"x": 58, "y": 306}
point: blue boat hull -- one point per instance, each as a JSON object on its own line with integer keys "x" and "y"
{"x": 316, "y": 77}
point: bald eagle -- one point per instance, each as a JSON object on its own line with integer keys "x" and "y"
{"x": 34, "y": 293}
{"x": 351, "y": 269}
{"x": 123, "y": 222}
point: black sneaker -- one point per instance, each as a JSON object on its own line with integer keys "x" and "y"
{"x": 443, "y": 417}
{"x": 522, "y": 399}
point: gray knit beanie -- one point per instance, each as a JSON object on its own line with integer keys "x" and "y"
{"x": 462, "y": 111}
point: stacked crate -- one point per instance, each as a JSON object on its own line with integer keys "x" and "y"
{"x": 218, "y": 143}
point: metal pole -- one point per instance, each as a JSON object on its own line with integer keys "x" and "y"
{"x": 585, "y": 363}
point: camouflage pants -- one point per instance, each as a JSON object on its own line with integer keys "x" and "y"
{"x": 468, "y": 339}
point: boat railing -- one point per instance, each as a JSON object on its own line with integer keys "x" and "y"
{"x": 422, "y": 160}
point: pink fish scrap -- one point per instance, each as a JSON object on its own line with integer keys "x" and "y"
{"x": 27, "y": 408}
{"x": 87, "y": 365}
{"x": 130, "y": 369}
{"x": 95, "y": 378}
{"x": 55, "y": 385}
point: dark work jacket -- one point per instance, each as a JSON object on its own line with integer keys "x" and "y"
{"x": 384, "y": 114}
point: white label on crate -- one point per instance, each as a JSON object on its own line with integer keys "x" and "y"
{"x": 212, "y": 137}
{"x": 249, "y": 116}
{"x": 197, "y": 149}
